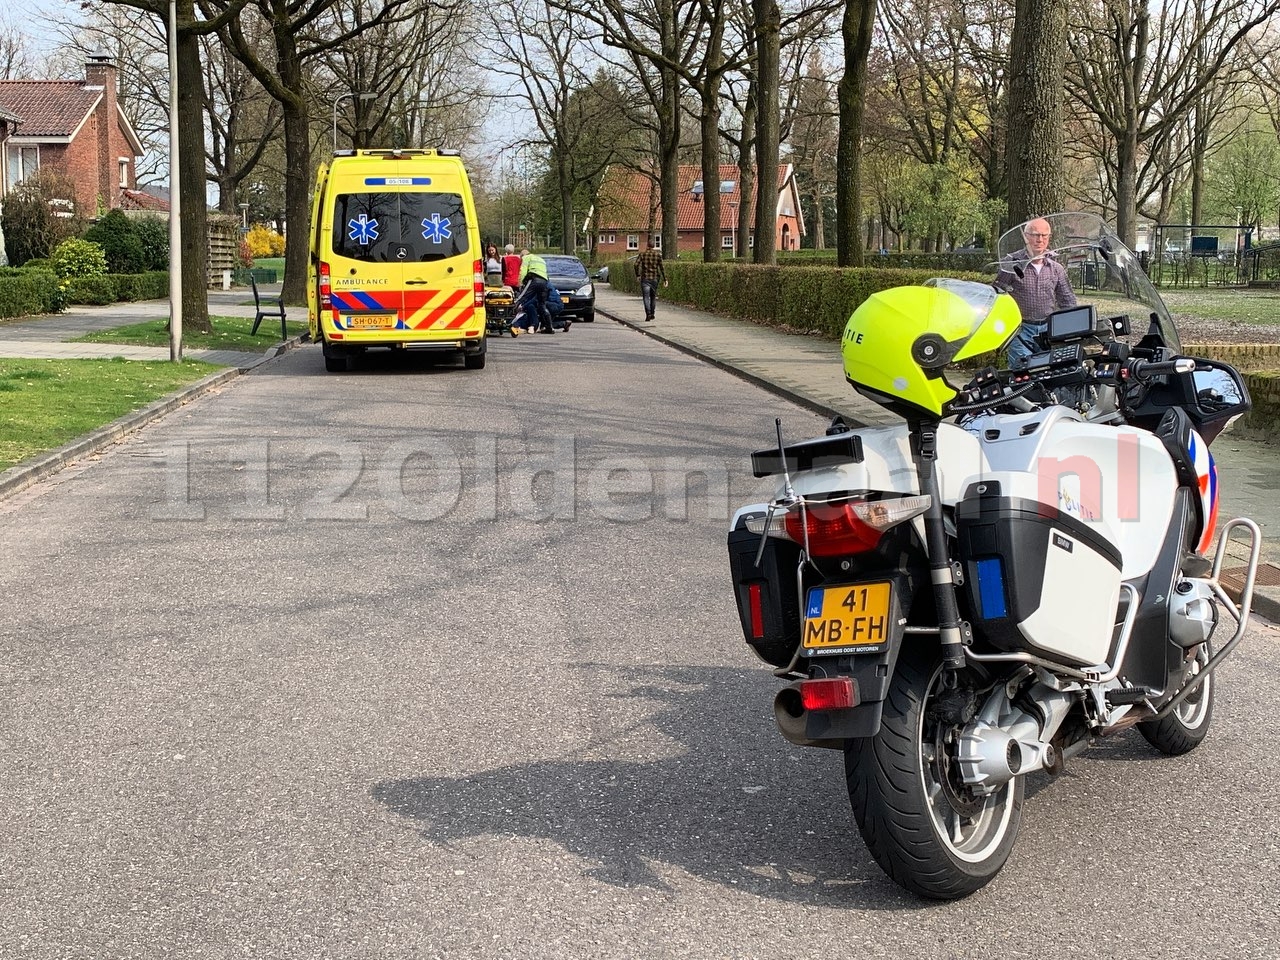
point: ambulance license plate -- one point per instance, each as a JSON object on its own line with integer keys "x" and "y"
{"x": 854, "y": 615}
{"x": 371, "y": 322}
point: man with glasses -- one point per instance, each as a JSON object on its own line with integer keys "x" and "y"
{"x": 1038, "y": 284}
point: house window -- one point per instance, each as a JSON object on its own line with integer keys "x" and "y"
{"x": 633, "y": 241}
{"x": 601, "y": 239}
{"x": 657, "y": 242}
{"x": 613, "y": 238}
{"x": 124, "y": 173}
{"x": 726, "y": 241}
{"x": 23, "y": 163}
{"x": 751, "y": 241}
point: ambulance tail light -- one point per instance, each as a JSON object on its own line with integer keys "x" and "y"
{"x": 478, "y": 283}
{"x": 326, "y": 300}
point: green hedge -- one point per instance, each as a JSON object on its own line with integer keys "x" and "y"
{"x": 24, "y": 292}
{"x": 808, "y": 299}
{"x": 152, "y": 285}
{"x": 98, "y": 291}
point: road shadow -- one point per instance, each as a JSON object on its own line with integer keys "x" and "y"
{"x": 735, "y": 806}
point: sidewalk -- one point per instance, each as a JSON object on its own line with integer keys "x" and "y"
{"x": 45, "y": 337}
{"x": 807, "y": 370}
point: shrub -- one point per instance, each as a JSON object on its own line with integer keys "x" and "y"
{"x": 244, "y": 256}
{"x": 98, "y": 291}
{"x": 153, "y": 235}
{"x": 38, "y": 263}
{"x": 264, "y": 242}
{"x": 79, "y": 258}
{"x": 37, "y": 215}
{"x": 116, "y": 234}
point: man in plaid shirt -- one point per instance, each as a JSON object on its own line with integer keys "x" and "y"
{"x": 1039, "y": 285}
{"x": 650, "y": 270}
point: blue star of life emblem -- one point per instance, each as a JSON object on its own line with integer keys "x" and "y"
{"x": 362, "y": 230}
{"x": 435, "y": 229}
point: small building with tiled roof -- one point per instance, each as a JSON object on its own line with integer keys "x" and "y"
{"x": 75, "y": 128}
{"x": 629, "y": 210}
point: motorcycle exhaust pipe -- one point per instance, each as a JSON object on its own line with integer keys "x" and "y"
{"x": 793, "y": 720}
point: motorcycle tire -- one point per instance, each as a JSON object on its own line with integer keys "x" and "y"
{"x": 1187, "y": 725}
{"x": 927, "y": 831}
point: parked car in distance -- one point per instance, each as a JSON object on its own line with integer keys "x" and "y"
{"x": 602, "y": 274}
{"x": 569, "y": 276}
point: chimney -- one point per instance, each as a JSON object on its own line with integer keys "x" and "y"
{"x": 100, "y": 71}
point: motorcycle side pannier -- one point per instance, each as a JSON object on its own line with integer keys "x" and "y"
{"x": 767, "y": 595}
{"x": 1038, "y": 579}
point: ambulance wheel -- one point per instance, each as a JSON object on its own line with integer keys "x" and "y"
{"x": 474, "y": 361}
{"x": 335, "y": 364}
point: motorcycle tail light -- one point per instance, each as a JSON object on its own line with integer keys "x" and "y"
{"x": 830, "y": 693}
{"x": 851, "y": 526}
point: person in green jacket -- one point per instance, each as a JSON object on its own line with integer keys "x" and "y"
{"x": 533, "y": 276}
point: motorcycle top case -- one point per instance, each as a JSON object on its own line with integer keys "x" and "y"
{"x": 1037, "y": 579}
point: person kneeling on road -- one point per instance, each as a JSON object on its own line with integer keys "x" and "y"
{"x": 533, "y": 274}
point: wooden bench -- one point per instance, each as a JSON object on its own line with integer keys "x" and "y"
{"x": 274, "y": 307}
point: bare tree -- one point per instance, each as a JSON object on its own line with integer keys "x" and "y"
{"x": 242, "y": 121}
{"x": 17, "y": 60}
{"x": 1142, "y": 74}
{"x": 291, "y": 24}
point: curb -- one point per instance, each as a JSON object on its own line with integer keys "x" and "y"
{"x": 22, "y": 475}
{"x": 800, "y": 399}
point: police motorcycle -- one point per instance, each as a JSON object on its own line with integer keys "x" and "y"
{"x": 1022, "y": 565}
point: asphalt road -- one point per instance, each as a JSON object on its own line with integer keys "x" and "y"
{"x": 416, "y": 662}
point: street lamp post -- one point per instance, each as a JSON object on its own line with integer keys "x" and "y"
{"x": 175, "y": 233}
{"x": 733, "y": 227}
{"x": 341, "y": 97}
{"x": 244, "y": 216}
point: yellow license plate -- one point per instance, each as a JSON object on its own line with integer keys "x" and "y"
{"x": 376, "y": 322}
{"x": 853, "y": 615}
{"x": 564, "y": 299}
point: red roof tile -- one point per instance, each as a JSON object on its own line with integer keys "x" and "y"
{"x": 48, "y": 108}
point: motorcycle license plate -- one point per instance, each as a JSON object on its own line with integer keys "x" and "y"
{"x": 851, "y": 616}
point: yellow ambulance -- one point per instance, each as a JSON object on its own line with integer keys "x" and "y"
{"x": 396, "y": 260}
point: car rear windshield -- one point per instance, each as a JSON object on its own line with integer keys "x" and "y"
{"x": 566, "y": 267}
{"x": 399, "y": 227}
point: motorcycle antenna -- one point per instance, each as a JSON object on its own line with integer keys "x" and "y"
{"x": 788, "y": 498}
{"x": 782, "y": 457}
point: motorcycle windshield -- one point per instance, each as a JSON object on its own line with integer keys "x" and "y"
{"x": 1100, "y": 269}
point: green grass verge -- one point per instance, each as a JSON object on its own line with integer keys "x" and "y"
{"x": 47, "y": 403}
{"x": 1238, "y": 306}
{"x": 271, "y": 263}
{"x": 229, "y": 333}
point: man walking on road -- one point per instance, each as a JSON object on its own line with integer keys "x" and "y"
{"x": 650, "y": 270}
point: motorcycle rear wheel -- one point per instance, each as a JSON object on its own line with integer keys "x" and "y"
{"x": 927, "y": 831}
{"x": 1188, "y": 724}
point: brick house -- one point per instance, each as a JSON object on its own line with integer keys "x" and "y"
{"x": 630, "y": 208}
{"x": 75, "y": 128}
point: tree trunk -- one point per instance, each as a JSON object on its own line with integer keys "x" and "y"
{"x": 768, "y": 24}
{"x": 669, "y": 153}
{"x": 193, "y": 243}
{"x": 856, "y": 30}
{"x": 746, "y": 177}
{"x": 1037, "y": 57}
{"x": 1127, "y": 185}
{"x": 711, "y": 173}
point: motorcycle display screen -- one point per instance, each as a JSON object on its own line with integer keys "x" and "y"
{"x": 1073, "y": 323}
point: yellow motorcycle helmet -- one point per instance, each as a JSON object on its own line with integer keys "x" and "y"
{"x": 898, "y": 341}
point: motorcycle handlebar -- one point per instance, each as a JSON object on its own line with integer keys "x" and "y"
{"x": 1146, "y": 369}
